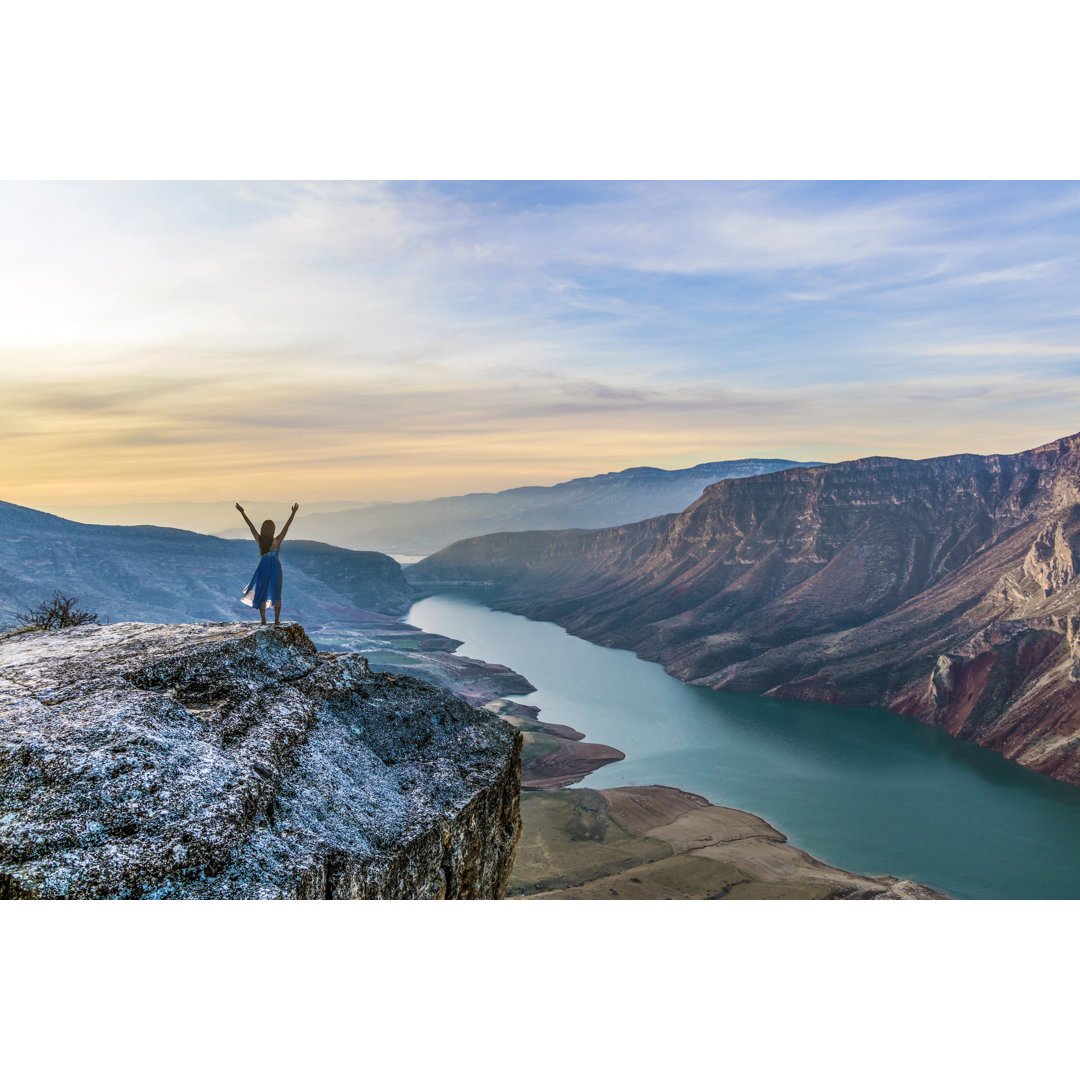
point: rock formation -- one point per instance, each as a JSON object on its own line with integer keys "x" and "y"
{"x": 945, "y": 589}
{"x": 222, "y": 761}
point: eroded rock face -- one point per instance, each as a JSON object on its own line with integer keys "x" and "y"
{"x": 1052, "y": 561}
{"x": 216, "y": 760}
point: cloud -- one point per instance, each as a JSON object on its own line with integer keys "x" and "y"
{"x": 404, "y": 439}
{"x": 370, "y": 339}
{"x": 1032, "y": 349}
{"x": 1023, "y": 272}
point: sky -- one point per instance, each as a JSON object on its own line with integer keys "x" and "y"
{"x": 318, "y": 341}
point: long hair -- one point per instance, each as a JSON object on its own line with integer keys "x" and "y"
{"x": 266, "y": 536}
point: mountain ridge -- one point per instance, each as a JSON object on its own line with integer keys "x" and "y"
{"x": 160, "y": 574}
{"x": 212, "y": 517}
{"x": 422, "y": 526}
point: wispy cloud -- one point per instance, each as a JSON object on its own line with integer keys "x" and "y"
{"x": 1023, "y": 272}
{"x": 1027, "y": 349}
{"x": 385, "y": 340}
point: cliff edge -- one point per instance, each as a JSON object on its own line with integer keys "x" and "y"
{"x": 222, "y": 761}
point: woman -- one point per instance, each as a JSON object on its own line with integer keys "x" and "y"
{"x": 266, "y": 581}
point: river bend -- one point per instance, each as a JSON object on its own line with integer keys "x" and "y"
{"x": 858, "y": 788}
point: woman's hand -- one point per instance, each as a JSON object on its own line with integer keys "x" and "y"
{"x": 281, "y": 535}
{"x": 240, "y": 508}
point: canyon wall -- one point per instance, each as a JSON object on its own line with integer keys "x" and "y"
{"x": 945, "y": 589}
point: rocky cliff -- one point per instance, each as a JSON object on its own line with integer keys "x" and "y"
{"x": 220, "y": 761}
{"x": 945, "y": 589}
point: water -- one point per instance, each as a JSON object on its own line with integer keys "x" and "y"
{"x": 860, "y": 788}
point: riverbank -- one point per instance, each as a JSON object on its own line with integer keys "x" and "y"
{"x": 660, "y": 843}
{"x": 641, "y": 842}
{"x": 553, "y": 755}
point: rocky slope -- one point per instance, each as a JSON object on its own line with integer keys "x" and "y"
{"x": 147, "y": 573}
{"x": 221, "y": 761}
{"x": 945, "y": 589}
{"x": 419, "y": 528}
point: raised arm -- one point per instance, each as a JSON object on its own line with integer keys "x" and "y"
{"x": 281, "y": 535}
{"x": 254, "y": 531}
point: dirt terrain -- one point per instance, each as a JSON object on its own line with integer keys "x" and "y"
{"x": 659, "y": 843}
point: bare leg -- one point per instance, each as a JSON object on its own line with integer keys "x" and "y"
{"x": 277, "y": 614}
{"x": 262, "y": 614}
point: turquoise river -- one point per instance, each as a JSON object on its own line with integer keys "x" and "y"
{"x": 859, "y": 788}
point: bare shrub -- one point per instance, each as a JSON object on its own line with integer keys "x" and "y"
{"x": 55, "y": 614}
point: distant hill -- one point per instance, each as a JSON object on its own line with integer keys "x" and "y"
{"x": 204, "y": 517}
{"x": 150, "y": 574}
{"x": 422, "y": 527}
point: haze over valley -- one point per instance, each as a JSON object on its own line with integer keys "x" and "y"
{"x": 420, "y": 528}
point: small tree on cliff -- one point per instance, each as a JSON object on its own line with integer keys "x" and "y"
{"x": 55, "y": 614}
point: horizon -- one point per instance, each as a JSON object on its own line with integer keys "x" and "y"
{"x": 451, "y": 495}
{"x": 405, "y": 341}
{"x": 345, "y": 504}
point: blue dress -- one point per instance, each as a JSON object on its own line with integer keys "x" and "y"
{"x": 265, "y": 584}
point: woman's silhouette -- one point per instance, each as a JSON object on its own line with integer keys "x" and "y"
{"x": 265, "y": 584}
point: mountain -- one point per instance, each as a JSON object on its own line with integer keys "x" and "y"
{"x": 419, "y": 528}
{"x": 205, "y": 517}
{"x": 150, "y": 574}
{"x": 944, "y": 589}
